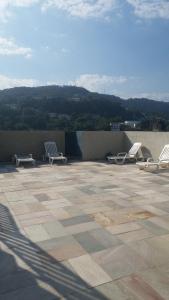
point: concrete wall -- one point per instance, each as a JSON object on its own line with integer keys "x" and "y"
{"x": 92, "y": 144}
{"x": 152, "y": 142}
{"x": 24, "y": 142}
{"x": 96, "y": 144}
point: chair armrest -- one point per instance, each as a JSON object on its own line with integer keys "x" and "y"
{"x": 14, "y": 158}
{"x": 150, "y": 159}
{"x": 120, "y": 158}
{"x": 58, "y": 154}
{"x": 121, "y": 154}
{"x": 166, "y": 161}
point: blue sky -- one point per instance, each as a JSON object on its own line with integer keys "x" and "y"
{"x": 118, "y": 47}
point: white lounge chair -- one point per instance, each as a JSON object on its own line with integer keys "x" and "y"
{"x": 120, "y": 158}
{"x": 52, "y": 153}
{"x": 163, "y": 160}
{"x": 24, "y": 158}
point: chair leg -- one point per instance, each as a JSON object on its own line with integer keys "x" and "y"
{"x": 120, "y": 161}
{"x": 110, "y": 161}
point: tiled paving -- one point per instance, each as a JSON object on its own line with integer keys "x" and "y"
{"x": 86, "y": 230}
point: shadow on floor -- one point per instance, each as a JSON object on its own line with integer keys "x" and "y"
{"x": 146, "y": 153}
{"x": 43, "y": 278}
{"x": 5, "y": 168}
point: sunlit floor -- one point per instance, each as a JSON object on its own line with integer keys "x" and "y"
{"x": 86, "y": 230}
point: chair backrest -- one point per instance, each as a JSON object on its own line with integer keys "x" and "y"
{"x": 51, "y": 148}
{"x": 134, "y": 149}
{"x": 164, "y": 156}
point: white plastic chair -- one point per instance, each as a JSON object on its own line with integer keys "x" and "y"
{"x": 121, "y": 157}
{"x": 163, "y": 160}
{"x": 52, "y": 153}
{"x": 24, "y": 158}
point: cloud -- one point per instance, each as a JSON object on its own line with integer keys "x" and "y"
{"x": 147, "y": 9}
{"x": 8, "y": 82}
{"x": 7, "y": 5}
{"x": 150, "y": 9}
{"x": 82, "y": 8}
{"x": 8, "y": 47}
{"x": 158, "y": 96}
{"x": 92, "y": 82}
{"x": 65, "y": 51}
{"x": 99, "y": 83}
{"x": 161, "y": 96}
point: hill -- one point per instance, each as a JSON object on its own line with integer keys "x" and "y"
{"x": 71, "y": 108}
{"x": 148, "y": 107}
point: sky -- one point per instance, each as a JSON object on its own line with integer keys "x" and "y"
{"x": 118, "y": 47}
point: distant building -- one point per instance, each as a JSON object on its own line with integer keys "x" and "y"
{"x": 52, "y": 115}
{"x": 126, "y": 125}
{"x": 115, "y": 126}
{"x": 131, "y": 124}
{"x": 59, "y": 116}
{"x": 77, "y": 99}
{"x": 12, "y": 106}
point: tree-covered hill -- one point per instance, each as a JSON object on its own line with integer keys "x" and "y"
{"x": 42, "y": 92}
{"x": 71, "y": 108}
{"x": 148, "y": 107}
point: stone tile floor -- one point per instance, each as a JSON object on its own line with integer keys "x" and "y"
{"x": 85, "y": 230}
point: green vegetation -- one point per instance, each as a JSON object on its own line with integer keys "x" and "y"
{"x": 72, "y": 108}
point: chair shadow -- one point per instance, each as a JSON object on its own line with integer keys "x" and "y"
{"x": 70, "y": 162}
{"x": 41, "y": 270}
{"x": 160, "y": 171}
{"x": 146, "y": 152}
{"x": 5, "y": 168}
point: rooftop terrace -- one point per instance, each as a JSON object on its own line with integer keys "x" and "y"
{"x": 86, "y": 230}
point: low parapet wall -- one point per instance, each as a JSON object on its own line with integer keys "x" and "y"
{"x": 92, "y": 145}
{"x": 96, "y": 144}
{"x": 152, "y": 142}
{"x": 23, "y": 142}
